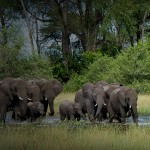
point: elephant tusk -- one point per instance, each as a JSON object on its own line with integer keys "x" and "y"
{"x": 21, "y": 98}
{"x": 104, "y": 104}
{"x": 46, "y": 98}
{"x": 29, "y": 99}
{"x": 95, "y": 105}
{"x": 130, "y": 106}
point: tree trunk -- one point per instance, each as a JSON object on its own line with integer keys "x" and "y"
{"x": 66, "y": 46}
{"x": 37, "y": 37}
{"x": 138, "y": 33}
{"x": 4, "y": 32}
{"x": 63, "y": 13}
{"x": 142, "y": 27}
{"x": 28, "y": 26}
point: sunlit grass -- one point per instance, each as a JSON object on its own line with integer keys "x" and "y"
{"x": 144, "y": 104}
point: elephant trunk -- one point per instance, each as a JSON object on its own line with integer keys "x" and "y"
{"x": 134, "y": 113}
{"x": 51, "y": 106}
{"x": 100, "y": 103}
{"x": 22, "y": 97}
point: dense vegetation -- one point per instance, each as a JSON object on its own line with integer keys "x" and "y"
{"x": 76, "y": 41}
{"x": 130, "y": 68}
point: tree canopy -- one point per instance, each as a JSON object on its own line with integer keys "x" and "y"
{"x": 65, "y": 30}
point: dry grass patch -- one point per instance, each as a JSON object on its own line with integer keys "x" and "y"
{"x": 144, "y": 104}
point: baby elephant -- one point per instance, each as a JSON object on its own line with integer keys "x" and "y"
{"x": 34, "y": 110}
{"x": 70, "y": 110}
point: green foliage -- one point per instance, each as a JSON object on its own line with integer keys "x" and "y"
{"x": 13, "y": 63}
{"x": 78, "y": 63}
{"x": 35, "y": 67}
{"x": 130, "y": 67}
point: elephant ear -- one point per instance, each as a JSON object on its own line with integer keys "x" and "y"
{"x": 122, "y": 98}
{"x": 57, "y": 87}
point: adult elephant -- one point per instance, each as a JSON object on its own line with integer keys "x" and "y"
{"x": 84, "y": 96}
{"x": 49, "y": 90}
{"x": 101, "y": 95}
{"x": 91, "y": 98}
{"x": 13, "y": 94}
{"x": 122, "y": 100}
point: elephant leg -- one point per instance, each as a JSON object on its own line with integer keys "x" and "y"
{"x": 71, "y": 116}
{"x": 123, "y": 114}
{"x": 111, "y": 113}
{"x": 51, "y": 106}
{"x": 62, "y": 117}
{"x": 45, "y": 103}
{"x": 3, "y": 112}
{"x": 112, "y": 116}
{"x": 118, "y": 118}
{"x": 13, "y": 115}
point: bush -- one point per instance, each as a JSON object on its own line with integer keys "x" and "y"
{"x": 13, "y": 63}
{"x": 78, "y": 63}
{"x": 35, "y": 67}
{"x": 130, "y": 67}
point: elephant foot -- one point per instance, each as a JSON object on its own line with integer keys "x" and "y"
{"x": 51, "y": 114}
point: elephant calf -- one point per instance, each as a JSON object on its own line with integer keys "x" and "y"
{"x": 34, "y": 110}
{"x": 70, "y": 110}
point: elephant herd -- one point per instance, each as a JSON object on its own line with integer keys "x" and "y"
{"x": 31, "y": 98}
{"x": 102, "y": 101}
{"x": 27, "y": 99}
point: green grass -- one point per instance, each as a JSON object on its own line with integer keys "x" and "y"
{"x": 78, "y": 135}
{"x": 69, "y": 138}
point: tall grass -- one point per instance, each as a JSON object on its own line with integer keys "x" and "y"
{"x": 65, "y": 138}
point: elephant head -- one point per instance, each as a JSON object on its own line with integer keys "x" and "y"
{"x": 17, "y": 90}
{"x": 50, "y": 89}
{"x": 78, "y": 111}
{"x": 34, "y": 94}
{"x": 39, "y": 108}
{"x": 99, "y": 101}
{"x": 128, "y": 98}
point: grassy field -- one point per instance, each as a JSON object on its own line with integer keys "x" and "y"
{"x": 77, "y": 135}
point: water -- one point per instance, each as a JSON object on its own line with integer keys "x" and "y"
{"x": 55, "y": 120}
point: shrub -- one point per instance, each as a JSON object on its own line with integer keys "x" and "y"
{"x": 130, "y": 67}
{"x": 14, "y": 63}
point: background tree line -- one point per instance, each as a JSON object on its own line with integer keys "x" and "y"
{"x": 62, "y": 38}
